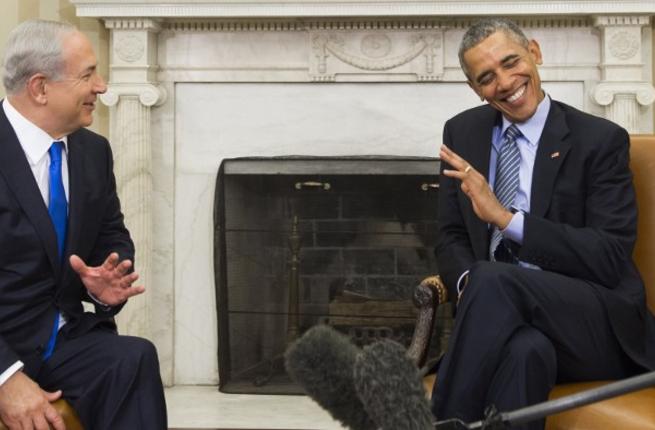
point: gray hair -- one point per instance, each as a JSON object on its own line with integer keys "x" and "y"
{"x": 35, "y": 46}
{"x": 485, "y": 28}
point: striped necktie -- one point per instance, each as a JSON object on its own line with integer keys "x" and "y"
{"x": 58, "y": 210}
{"x": 507, "y": 179}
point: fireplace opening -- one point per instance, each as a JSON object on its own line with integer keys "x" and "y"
{"x": 301, "y": 241}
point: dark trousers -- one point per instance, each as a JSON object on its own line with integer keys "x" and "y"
{"x": 518, "y": 332}
{"x": 112, "y": 381}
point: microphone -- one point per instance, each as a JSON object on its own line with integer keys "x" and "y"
{"x": 379, "y": 387}
{"x": 321, "y": 362}
{"x": 389, "y": 385}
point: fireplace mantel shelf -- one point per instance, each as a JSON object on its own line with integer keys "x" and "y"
{"x": 361, "y": 8}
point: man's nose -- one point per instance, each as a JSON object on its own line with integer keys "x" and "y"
{"x": 505, "y": 80}
{"x": 100, "y": 86}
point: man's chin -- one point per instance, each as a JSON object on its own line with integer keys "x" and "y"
{"x": 517, "y": 115}
{"x": 86, "y": 121}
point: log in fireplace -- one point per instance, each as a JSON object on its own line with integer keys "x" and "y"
{"x": 301, "y": 241}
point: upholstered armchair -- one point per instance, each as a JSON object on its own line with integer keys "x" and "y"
{"x": 633, "y": 411}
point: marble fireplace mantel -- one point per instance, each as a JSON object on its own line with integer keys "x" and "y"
{"x": 194, "y": 82}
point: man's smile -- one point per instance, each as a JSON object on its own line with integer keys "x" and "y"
{"x": 517, "y": 95}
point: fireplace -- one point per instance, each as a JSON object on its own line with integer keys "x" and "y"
{"x": 195, "y": 82}
{"x": 323, "y": 240}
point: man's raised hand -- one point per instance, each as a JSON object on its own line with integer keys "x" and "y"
{"x": 111, "y": 282}
{"x": 475, "y": 186}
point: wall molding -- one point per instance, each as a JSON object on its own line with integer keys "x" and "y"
{"x": 284, "y": 25}
{"x": 336, "y": 8}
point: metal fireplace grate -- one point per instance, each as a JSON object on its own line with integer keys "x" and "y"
{"x": 301, "y": 241}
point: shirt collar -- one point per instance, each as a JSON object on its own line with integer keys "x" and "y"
{"x": 34, "y": 141}
{"x": 534, "y": 126}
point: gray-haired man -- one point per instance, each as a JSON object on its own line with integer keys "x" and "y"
{"x": 63, "y": 241}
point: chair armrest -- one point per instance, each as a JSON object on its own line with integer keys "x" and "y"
{"x": 430, "y": 293}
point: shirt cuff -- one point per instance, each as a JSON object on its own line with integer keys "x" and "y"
{"x": 106, "y": 306}
{"x": 460, "y": 282}
{"x": 10, "y": 371}
{"x": 514, "y": 230}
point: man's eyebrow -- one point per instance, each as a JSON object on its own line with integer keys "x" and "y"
{"x": 507, "y": 59}
{"x": 91, "y": 68}
{"x": 482, "y": 76}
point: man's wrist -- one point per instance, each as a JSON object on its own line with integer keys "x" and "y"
{"x": 504, "y": 219}
{"x": 104, "y": 306}
{"x": 514, "y": 230}
{"x": 10, "y": 371}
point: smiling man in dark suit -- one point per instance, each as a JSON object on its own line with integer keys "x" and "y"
{"x": 537, "y": 221}
{"x": 63, "y": 241}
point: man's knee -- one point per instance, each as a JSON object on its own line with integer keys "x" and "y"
{"x": 139, "y": 350}
{"x": 488, "y": 279}
{"x": 144, "y": 347}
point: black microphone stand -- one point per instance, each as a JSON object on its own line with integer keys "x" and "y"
{"x": 495, "y": 420}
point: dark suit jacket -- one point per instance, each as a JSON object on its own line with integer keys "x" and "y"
{"x": 33, "y": 285}
{"x": 583, "y": 215}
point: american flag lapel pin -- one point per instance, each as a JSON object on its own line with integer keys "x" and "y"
{"x": 554, "y": 154}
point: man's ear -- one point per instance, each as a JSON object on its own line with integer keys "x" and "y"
{"x": 535, "y": 51}
{"x": 475, "y": 89}
{"x": 37, "y": 88}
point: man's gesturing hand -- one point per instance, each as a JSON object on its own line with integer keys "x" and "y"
{"x": 24, "y": 405}
{"x": 110, "y": 282}
{"x": 475, "y": 186}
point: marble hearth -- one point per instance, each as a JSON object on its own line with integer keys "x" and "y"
{"x": 195, "y": 82}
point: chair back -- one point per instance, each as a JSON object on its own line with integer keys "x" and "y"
{"x": 642, "y": 163}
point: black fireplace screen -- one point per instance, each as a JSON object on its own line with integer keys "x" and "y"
{"x": 302, "y": 241}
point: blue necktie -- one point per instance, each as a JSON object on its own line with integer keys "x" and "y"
{"x": 507, "y": 179}
{"x": 58, "y": 210}
{"x": 57, "y": 205}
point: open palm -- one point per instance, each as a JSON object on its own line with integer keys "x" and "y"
{"x": 111, "y": 282}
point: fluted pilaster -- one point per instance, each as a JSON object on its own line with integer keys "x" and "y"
{"x": 623, "y": 90}
{"x": 132, "y": 93}
{"x": 135, "y": 188}
{"x": 130, "y": 137}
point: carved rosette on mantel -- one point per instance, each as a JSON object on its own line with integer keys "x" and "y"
{"x": 376, "y": 52}
{"x": 623, "y": 90}
{"x": 131, "y": 94}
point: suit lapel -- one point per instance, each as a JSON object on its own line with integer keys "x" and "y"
{"x": 478, "y": 147}
{"x": 76, "y": 199}
{"x": 478, "y": 151}
{"x": 553, "y": 149}
{"x": 20, "y": 179}
{"x": 76, "y": 193}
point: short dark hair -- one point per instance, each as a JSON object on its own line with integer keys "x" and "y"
{"x": 485, "y": 28}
